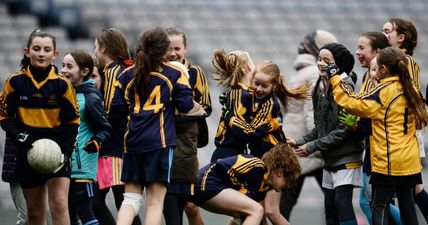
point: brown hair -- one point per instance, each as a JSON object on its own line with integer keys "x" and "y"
{"x": 171, "y": 31}
{"x": 280, "y": 89}
{"x": 114, "y": 41}
{"x": 229, "y": 68}
{"x": 406, "y": 28}
{"x": 377, "y": 40}
{"x": 25, "y": 61}
{"x": 152, "y": 46}
{"x": 83, "y": 60}
{"x": 395, "y": 60}
{"x": 282, "y": 157}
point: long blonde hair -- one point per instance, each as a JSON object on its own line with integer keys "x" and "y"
{"x": 230, "y": 68}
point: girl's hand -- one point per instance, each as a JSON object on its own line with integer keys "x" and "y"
{"x": 348, "y": 119}
{"x": 291, "y": 141}
{"x": 302, "y": 151}
{"x": 331, "y": 69}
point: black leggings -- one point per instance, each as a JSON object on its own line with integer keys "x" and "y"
{"x": 173, "y": 208}
{"x": 101, "y": 211}
{"x": 82, "y": 210}
{"x": 381, "y": 197}
{"x": 338, "y": 204}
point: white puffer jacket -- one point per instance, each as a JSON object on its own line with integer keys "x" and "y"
{"x": 299, "y": 118}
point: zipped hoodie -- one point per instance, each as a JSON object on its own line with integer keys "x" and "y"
{"x": 329, "y": 136}
{"x": 93, "y": 125}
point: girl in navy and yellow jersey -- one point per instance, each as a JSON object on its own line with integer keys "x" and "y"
{"x": 38, "y": 103}
{"x": 396, "y": 110}
{"x": 260, "y": 126}
{"x": 238, "y": 185}
{"x": 270, "y": 93}
{"x": 402, "y": 33}
{"x": 232, "y": 71}
{"x": 93, "y": 130}
{"x": 153, "y": 90}
{"x": 185, "y": 165}
{"x": 111, "y": 50}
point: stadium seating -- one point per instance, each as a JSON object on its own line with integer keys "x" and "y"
{"x": 269, "y": 29}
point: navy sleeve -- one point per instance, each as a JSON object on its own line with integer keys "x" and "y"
{"x": 97, "y": 117}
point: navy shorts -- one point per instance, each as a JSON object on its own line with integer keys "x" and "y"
{"x": 29, "y": 178}
{"x": 80, "y": 191}
{"x": 147, "y": 167}
{"x": 201, "y": 197}
{"x": 224, "y": 152}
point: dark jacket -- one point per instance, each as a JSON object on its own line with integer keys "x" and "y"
{"x": 8, "y": 171}
{"x": 95, "y": 113}
{"x": 329, "y": 136}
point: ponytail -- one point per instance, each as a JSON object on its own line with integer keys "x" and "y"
{"x": 143, "y": 67}
{"x": 152, "y": 47}
{"x": 229, "y": 68}
{"x": 395, "y": 60}
{"x": 285, "y": 94}
{"x": 280, "y": 89}
{"x": 415, "y": 100}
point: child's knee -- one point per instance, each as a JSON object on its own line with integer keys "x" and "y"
{"x": 134, "y": 200}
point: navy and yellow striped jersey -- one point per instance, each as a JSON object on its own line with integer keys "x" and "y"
{"x": 367, "y": 84}
{"x": 199, "y": 84}
{"x": 412, "y": 67}
{"x": 240, "y": 103}
{"x": 414, "y": 71}
{"x": 116, "y": 110}
{"x": 268, "y": 124}
{"x": 111, "y": 73}
{"x": 253, "y": 121}
{"x": 244, "y": 173}
{"x": 151, "y": 126}
{"x": 40, "y": 108}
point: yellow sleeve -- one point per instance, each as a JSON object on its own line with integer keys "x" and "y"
{"x": 201, "y": 86}
{"x": 359, "y": 105}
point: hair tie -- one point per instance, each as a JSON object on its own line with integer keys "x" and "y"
{"x": 128, "y": 62}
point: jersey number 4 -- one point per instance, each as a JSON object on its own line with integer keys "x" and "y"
{"x": 154, "y": 101}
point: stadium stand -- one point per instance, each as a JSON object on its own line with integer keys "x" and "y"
{"x": 269, "y": 29}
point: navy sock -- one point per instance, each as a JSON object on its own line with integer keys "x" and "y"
{"x": 349, "y": 222}
{"x": 421, "y": 200}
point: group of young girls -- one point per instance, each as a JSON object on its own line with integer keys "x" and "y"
{"x": 137, "y": 125}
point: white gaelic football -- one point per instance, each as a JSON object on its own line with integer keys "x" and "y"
{"x": 45, "y": 156}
